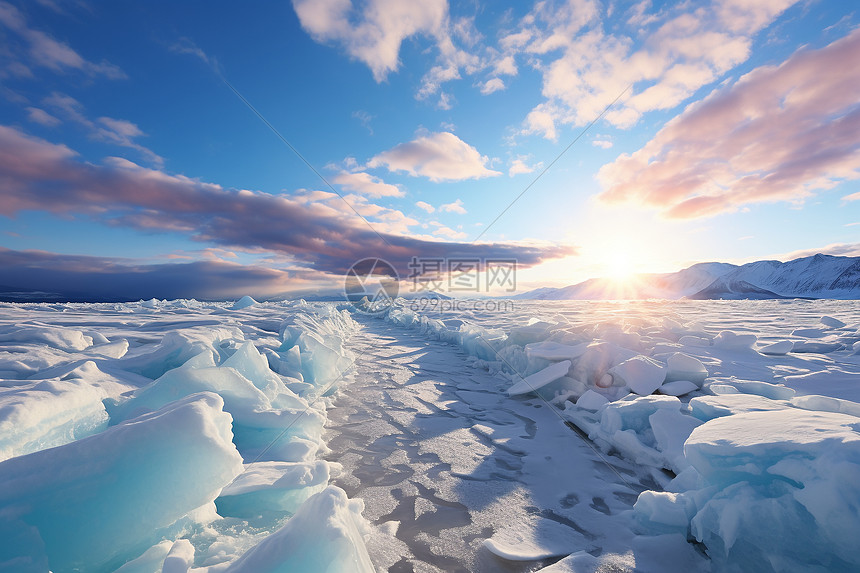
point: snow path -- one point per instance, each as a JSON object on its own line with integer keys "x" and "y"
{"x": 430, "y": 442}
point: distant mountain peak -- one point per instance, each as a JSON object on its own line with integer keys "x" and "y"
{"x": 815, "y": 276}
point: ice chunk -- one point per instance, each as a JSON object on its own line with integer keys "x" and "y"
{"x": 809, "y": 332}
{"x": 678, "y": 388}
{"x": 592, "y": 400}
{"x": 48, "y": 413}
{"x": 523, "y": 335}
{"x": 95, "y": 503}
{"x": 709, "y": 407}
{"x": 729, "y": 340}
{"x": 539, "y": 379}
{"x": 780, "y": 348}
{"x": 766, "y": 389}
{"x": 671, "y": 429}
{"x": 826, "y": 404}
{"x": 597, "y": 359}
{"x": 244, "y": 302}
{"x": 534, "y": 541}
{"x": 633, "y": 414}
{"x": 782, "y": 490}
{"x": 180, "y": 558}
{"x": 684, "y": 367}
{"x": 554, "y": 350}
{"x": 697, "y": 341}
{"x": 817, "y": 347}
{"x": 831, "y": 322}
{"x": 272, "y": 487}
{"x": 641, "y": 374}
{"x": 67, "y": 339}
{"x": 325, "y": 534}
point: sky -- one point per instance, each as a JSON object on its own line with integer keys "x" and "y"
{"x": 210, "y": 149}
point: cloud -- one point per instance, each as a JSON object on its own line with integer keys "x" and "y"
{"x": 87, "y": 278}
{"x": 588, "y": 59}
{"x": 438, "y": 156}
{"x": 441, "y": 230}
{"x": 601, "y": 141}
{"x": 114, "y": 131}
{"x": 367, "y": 184}
{"x": 492, "y": 85}
{"x": 455, "y": 207}
{"x": 835, "y": 249}
{"x": 315, "y": 228}
{"x": 852, "y": 197}
{"x": 426, "y": 206}
{"x": 42, "y": 117}
{"x": 374, "y": 32}
{"x": 365, "y": 119}
{"x": 780, "y": 133}
{"x": 35, "y": 48}
{"x": 519, "y": 166}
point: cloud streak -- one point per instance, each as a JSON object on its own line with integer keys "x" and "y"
{"x": 781, "y": 133}
{"x": 31, "y": 47}
{"x": 92, "y": 279}
{"x": 315, "y": 228}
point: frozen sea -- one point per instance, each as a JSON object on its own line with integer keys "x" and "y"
{"x": 431, "y": 436}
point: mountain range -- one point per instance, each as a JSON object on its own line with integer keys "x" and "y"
{"x": 817, "y": 276}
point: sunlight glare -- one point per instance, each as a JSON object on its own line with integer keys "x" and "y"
{"x": 619, "y": 267}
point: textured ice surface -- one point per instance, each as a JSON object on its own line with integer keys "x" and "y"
{"x": 134, "y": 417}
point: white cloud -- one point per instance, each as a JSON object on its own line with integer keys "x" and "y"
{"x": 852, "y": 197}
{"x": 443, "y": 231}
{"x": 455, "y": 207}
{"x": 665, "y": 55}
{"x": 603, "y": 142}
{"x": 426, "y": 206}
{"x": 374, "y": 32}
{"x": 492, "y": 85}
{"x": 519, "y": 166}
{"x": 438, "y": 156}
{"x": 367, "y": 184}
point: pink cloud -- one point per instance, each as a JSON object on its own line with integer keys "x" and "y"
{"x": 781, "y": 133}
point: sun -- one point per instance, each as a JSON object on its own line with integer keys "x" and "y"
{"x": 619, "y": 267}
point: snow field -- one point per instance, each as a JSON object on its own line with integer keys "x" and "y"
{"x": 755, "y": 413}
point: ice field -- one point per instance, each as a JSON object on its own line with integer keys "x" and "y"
{"x": 543, "y": 436}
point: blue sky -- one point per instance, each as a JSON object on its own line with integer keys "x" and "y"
{"x": 127, "y": 162}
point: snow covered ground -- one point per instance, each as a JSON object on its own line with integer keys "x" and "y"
{"x": 553, "y": 436}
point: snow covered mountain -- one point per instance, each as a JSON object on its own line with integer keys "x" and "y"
{"x": 818, "y": 276}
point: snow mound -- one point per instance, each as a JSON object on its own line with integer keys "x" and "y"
{"x": 325, "y": 534}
